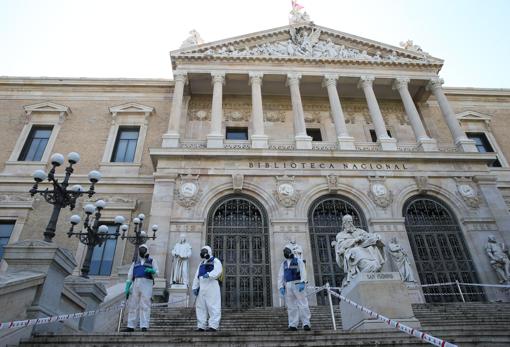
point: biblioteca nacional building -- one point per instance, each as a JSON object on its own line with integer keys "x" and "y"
{"x": 270, "y": 138}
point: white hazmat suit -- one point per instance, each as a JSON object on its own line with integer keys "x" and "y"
{"x": 208, "y": 302}
{"x": 141, "y": 292}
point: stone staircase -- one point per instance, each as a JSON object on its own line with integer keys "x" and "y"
{"x": 469, "y": 324}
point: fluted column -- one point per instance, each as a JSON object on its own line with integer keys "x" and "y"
{"x": 459, "y": 137}
{"x": 258, "y": 137}
{"x": 387, "y": 143}
{"x": 215, "y": 137}
{"x": 344, "y": 140}
{"x": 171, "y": 138}
{"x": 303, "y": 141}
{"x": 425, "y": 142}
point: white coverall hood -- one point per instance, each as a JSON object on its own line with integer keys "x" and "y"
{"x": 209, "y": 250}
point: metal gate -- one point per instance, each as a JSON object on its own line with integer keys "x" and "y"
{"x": 237, "y": 230}
{"x": 325, "y": 221}
{"x": 439, "y": 251}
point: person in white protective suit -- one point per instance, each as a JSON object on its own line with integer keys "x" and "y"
{"x": 207, "y": 290}
{"x": 291, "y": 281}
{"x": 141, "y": 278}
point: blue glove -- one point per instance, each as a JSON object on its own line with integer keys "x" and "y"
{"x": 282, "y": 291}
{"x": 195, "y": 291}
{"x": 206, "y": 275}
{"x": 300, "y": 286}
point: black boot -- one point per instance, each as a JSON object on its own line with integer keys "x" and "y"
{"x": 292, "y": 329}
{"x": 306, "y": 327}
{"x": 128, "y": 330}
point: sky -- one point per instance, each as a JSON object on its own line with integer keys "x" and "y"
{"x": 132, "y": 39}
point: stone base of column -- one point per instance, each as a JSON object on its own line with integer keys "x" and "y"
{"x": 428, "y": 145}
{"x": 303, "y": 142}
{"x": 170, "y": 140}
{"x": 346, "y": 143}
{"x": 215, "y": 141}
{"x": 259, "y": 141}
{"x": 159, "y": 288}
{"x": 178, "y": 295}
{"x": 388, "y": 144}
{"x": 466, "y": 145}
{"x": 383, "y": 293}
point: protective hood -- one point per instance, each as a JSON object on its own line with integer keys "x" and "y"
{"x": 209, "y": 250}
{"x": 144, "y": 246}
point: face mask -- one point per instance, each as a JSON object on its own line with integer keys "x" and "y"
{"x": 204, "y": 254}
{"x": 287, "y": 253}
{"x": 142, "y": 252}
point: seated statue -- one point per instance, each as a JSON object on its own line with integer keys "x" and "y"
{"x": 357, "y": 250}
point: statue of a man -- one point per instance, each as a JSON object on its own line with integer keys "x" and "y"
{"x": 400, "y": 260}
{"x": 357, "y": 250}
{"x": 296, "y": 248}
{"x": 181, "y": 254}
{"x": 499, "y": 258}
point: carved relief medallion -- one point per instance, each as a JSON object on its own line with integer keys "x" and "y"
{"x": 188, "y": 191}
{"x": 285, "y": 192}
{"x": 379, "y": 193}
{"x": 467, "y": 190}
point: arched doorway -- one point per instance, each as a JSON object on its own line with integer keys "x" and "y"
{"x": 439, "y": 250}
{"x": 237, "y": 230}
{"x": 325, "y": 221}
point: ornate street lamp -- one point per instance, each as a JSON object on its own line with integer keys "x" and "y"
{"x": 140, "y": 236}
{"x": 93, "y": 234}
{"x": 60, "y": 196}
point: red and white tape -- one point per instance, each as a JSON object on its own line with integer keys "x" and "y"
{"x": 396, "y": 324}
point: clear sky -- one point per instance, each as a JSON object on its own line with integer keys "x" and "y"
{"x": 124, "y": 38}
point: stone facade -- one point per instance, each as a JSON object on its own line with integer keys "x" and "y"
{"x": 250, "y": 83}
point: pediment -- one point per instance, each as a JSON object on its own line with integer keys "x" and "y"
{"x": 309, "y": 42}
{"x": 473, "y": 116}
{"x": 47, "y": 107}
{"x": 131, "y": 107}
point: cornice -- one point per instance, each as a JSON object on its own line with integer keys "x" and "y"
{"x": 472, "y": 91}
{"x": 70, "y": 81}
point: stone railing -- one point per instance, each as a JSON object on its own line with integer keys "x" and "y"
{"x": 237, "y": 144}
{"x": 367, "y": 146}
{"x": 194, "y": 144}
{"x": 324, "y": 146}
{"x": 409, "y": 147}
{"x": 447, "y": 148}
{"x": 284, "y": 145}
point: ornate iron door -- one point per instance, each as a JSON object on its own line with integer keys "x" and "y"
{"x": 325, "y": 221}
{"x": 238, "y": 233}
{"x": 439, "y": 251}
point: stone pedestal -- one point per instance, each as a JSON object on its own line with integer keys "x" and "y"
{"x": 346, "y": 143}
{"x": 259, "y": 141}
{"x": 383, "y": 293}
{"x": 178, "y": 293}
{"x": 428, "y": 145}
{"x": 303, "y": 142}
{"x": 170, "y": 140}
{"x": 92, "y": 292}
{"x": 215, "y": 141}
{"x": 388, "y": 144}
{"x": 47, "y": 258}
{"x": 159, "y": 289}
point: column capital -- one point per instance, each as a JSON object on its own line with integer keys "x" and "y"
{"x": 255, "y": 77}
{"x": 329, "y": 79}
{"x": 434, "y": 83}
{"x": 400, "y": 82}
{"x": 293, "y": 79}
{"x": 181, "y": 76}
{"x": 366, "y": 81}
{"x": 218, "y": 77}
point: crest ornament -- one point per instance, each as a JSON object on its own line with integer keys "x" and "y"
{"x": 237, "y": 182}
{"x": 285, "y": 192}
{"x": 468, "y": 191}
{"x": 379, "y": 193}
{"x": 333, "y": 182}
{"x": 188, "y": 191}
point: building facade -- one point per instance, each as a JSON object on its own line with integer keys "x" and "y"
{"x": 268, "y": 138}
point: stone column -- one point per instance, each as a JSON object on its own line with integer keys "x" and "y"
{"x": 171, "y": 138}
{"x": 459, "y": 137}
{"x": 215, "y": 137}
{"x": 425, "y": 142}
{"x": 344, "y": 140}
{"x": 258, "y": 139}
{"x": 387, "y": 143}
{"x": 303, "y": 141}
{"x": 161, "y": 207}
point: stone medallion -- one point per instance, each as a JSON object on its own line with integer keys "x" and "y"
{"x": 467, "y": 190}
{"x": 285, "y": 192}
{"x": 188, "y": 191}
{"x": 380, "y": 193}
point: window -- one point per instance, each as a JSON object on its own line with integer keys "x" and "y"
{"x": 237, "y": 133}
{"x": 6, "y": 228}
{"x": 483, "y": 145}
{"x": 373, "y": 135}
{"x": 125, "y": 145}
{"x": 102, "y": 256}
{"x": 36, "y": 143}
{"x": 314, "y": 133}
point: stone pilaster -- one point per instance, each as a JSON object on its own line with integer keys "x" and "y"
{"x": 425, "y": 142}
{"x": 344, "y": 140}
{"x": 387, "y": 143}
{"x": 258, "y": 139}
{"x": 303, "y": 141}
{"x": 215, "y": 137}
{"x": 459, "y": 137}
{"x": 171, "y": 138}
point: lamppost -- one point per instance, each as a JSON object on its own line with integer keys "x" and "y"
{"x": 93, "y": 234}
{"x": 140, "y": 236}
{"x": 60, "y": 197}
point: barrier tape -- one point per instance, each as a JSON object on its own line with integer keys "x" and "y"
{"x": 396, "y": 324}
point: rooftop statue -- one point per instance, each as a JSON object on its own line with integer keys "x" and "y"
{"x": 193, "y": 39}
{"x": 297, "y": 16}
